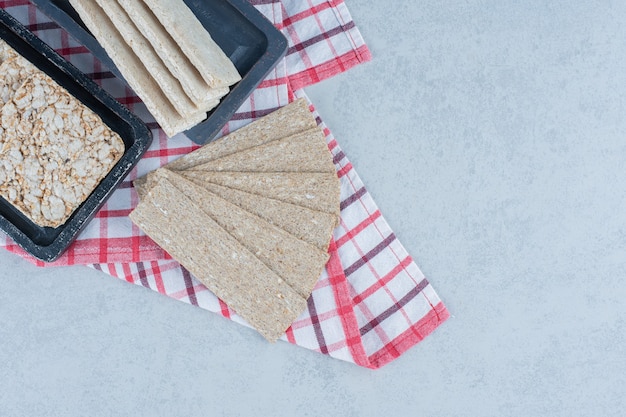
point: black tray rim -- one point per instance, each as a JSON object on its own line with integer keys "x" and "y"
{"x": 141, "y": 140}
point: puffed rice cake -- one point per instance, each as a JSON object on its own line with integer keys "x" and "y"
{"x": 55, "y": 150}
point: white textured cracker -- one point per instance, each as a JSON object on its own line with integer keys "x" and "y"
{"x": 172, "y": 56}
{"x": 197, "y": 44}
{"x": 133, "y": 70}
{"x": 142, "y": 48}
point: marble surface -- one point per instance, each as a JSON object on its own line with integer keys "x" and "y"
{"x": 493, "y": 137}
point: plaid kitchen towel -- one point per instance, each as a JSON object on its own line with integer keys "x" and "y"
{"x": 372, "y": 302}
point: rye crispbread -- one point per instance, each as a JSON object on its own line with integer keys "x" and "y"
{"x": 221, "y": 263}
{"x": 317, "y": 191}
{"x": 284, "y": 219}
{"x": 313, "y": 226}
{"x": 297, "y": 262}
{"x": 289, "y": 120}
{"x": 303, "y": 152}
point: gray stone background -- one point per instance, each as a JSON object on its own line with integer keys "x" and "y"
{"x": 492, "y": 135}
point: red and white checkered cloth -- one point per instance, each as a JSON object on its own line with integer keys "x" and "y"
{"x": 372, "y": 303}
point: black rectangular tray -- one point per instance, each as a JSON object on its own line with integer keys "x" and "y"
{"x": 48, "y": 243}
{"x": 250, "y": 40}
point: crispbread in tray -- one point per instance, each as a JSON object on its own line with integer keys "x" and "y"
{"x": 48, "y": 243}
{"x": 251, "y": 42}
{"x": 155, "y": 99}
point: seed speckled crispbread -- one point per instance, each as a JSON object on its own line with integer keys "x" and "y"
{"x": 297, "y": 262}
{"x": 315, "y": 227}
{"x": 286, "y": 121}
{"x": 55, "y": 151}
{"x": 317, "y": 191}
{"x": 229, "y": 270}
{"x": 303, "y": 152}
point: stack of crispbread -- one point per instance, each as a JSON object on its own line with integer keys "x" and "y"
{"x": 165, "y": 55}
{"x": 54, "y": 150}
{"x": 250, "y": 215}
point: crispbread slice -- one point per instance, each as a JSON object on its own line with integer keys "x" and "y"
{"x": 143, "y": 184}
{"x": 234, "y": 274}
{"x": 315, "y": 227}
{"x": 133, "y": 70}
{"x": 297, "y": 262}
{"x": 288, "y": 120}
{"x": 194, "y": 40}
{"x": 302, "y": 152}
{"x": 142, "y": 48}
{"x": 310, "y": 225}
{"x": 317, "y": 191}
{"x": 284, "y": 164}
{"x": 171, "y": 54}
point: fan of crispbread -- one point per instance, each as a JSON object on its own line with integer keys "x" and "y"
{"x": 266, "y": 195}
{"x": 165, "y": 55}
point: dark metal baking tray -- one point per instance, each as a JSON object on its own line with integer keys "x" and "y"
{"x": 253, "y": 44}
{"x": 48, "y": 243}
